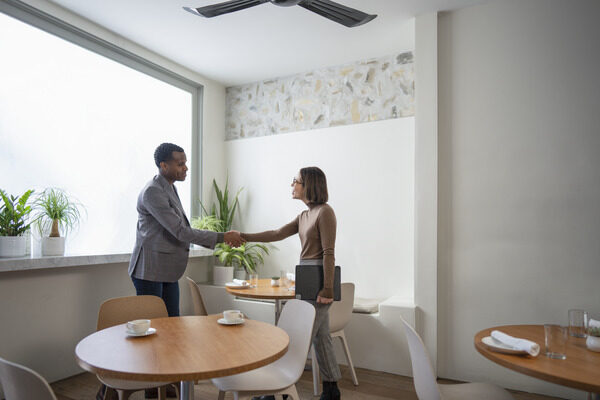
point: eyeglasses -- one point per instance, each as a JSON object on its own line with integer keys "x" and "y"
{"x": 294, "y": 181}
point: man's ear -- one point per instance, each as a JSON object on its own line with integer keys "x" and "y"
{"x": 162, "y": 166}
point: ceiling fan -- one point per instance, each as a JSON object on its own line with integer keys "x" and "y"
{"x": 346, "y": 16}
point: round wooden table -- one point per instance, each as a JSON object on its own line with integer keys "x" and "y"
{"x": 580, "y": 370}
{"x": 265, "y": 291}
{"x": 183, "y": 349}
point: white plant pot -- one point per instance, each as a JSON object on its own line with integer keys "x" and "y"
{"x": 13, "y": 246}
{"x": 53, "y": 246}
{"x": 240, "y": 273}
{"x": 222, "y": 275}
{"x": 593, "y": 343}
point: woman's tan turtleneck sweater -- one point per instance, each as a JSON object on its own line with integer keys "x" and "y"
{"x": 316, "y": 228}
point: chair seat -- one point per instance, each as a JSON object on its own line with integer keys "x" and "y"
{"x": 123, "y": 384}
{"x": 267, "y": 378}
{"x": 461, "y": 391}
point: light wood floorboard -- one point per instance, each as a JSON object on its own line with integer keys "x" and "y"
{"x": 373, "y": 385}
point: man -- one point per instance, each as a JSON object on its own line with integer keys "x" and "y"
{"x": 164, "y": 234}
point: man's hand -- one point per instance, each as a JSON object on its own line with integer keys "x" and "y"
{"x": 233, "y": 238}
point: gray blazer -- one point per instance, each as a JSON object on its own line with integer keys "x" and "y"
{"x": 163, "y": 234}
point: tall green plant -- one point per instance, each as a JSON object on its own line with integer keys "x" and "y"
{"x": 56, "y": 212}
{"x": 224, "y": 209}
{"x": 248, "y": 256}
{"x": 14, "y": 213}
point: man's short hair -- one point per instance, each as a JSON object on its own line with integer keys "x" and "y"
{"x": 315, "y": 185}
{"x": 164, "y": 152}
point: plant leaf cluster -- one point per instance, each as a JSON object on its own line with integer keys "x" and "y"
{"x": 56, "y": 211}
{"x": 225, "y": 207}
{"x": 14, "y": 213}
{"x": 248, "y": 256}
{"x": 208, "y": 223}
{"x": 594, "y": 331}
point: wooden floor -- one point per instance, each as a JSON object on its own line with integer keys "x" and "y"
{"x": 373, "y": 385}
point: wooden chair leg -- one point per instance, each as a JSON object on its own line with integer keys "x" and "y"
{"x": 162, "y": 393}
{"x": 348, "y": 358}
{"x": 221, "y": 395}
{"x": 292, "y": 393}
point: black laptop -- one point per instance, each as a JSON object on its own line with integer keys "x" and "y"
{"x": 309, "y": 282}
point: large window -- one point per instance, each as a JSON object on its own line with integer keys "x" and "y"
{"x": 73, "y": 119}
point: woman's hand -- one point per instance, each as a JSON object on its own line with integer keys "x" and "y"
{"x": 324, "y": 300}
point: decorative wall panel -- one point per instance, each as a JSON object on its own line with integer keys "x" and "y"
{"x": 363, "y": 91}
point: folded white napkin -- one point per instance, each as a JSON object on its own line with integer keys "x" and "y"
{"x": 516, "y": 343}
{"x": 240, "y": 282}
{"x": 592, "y": 323}
{"x": 291, "y": 276}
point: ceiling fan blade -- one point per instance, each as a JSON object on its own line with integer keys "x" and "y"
{"x": 346, "y": 16}
{"x": 224, "y": 8}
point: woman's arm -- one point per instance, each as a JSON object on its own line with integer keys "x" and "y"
{"x": 274, "y": 235}
{"x": 327, "y": 224}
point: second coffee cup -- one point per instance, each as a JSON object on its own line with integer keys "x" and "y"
{"x": 233, "y": 315}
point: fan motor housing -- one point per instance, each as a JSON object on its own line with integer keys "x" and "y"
{"x": 285, "y": 3}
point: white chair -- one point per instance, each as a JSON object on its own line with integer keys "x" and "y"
{"x": 21, "y": 383}
{"x": 279, "y": 377}
{"x": 425, "y": 380}
{"x": 119, "y": 310}
{"x": 340, "y": 313}
{"x": 199, "y": 308}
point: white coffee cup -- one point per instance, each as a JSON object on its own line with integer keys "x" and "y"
{"x": 232, "y": 315}
{"x": 138, "y": 325}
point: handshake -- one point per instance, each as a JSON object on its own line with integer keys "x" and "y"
{"x": 234, "y": 238}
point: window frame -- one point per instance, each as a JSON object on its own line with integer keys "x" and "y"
{"x": 79, "y": 37}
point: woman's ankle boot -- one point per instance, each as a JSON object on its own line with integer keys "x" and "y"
{"x": 330, "y": 391}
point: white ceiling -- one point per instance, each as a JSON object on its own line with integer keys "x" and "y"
{"x": 262, "y": 42}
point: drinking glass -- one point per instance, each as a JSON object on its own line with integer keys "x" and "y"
{"x": 254, "y": 280}
{"x": 578, "y": 320}
{"x": 283, "y": 278}
{"x": 556, "y": 341}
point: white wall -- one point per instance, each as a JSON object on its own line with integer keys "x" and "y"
{"x": 370, "y": 175}
{"x": 519, "y": 175}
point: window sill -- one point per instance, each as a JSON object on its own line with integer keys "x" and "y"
{"x": 72, "y": 260}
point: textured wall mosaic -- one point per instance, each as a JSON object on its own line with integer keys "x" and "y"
{"x": 364, "y": 91}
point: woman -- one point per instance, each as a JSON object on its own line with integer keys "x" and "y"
{"x": 316, "y": 228}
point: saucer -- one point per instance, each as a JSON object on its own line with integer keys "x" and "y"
{"x": 150, "y": 331}
{"x": 223, "y": 321}
{"x": 233, "y": 285}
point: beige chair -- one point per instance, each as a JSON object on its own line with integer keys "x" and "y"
{"x": 118, "y": 311}
{"x": 425, "y": 379}
{"x": 340, "y": 313}
{"x": 21, "y": 383}
{"x": 279, "y": 377}
{"x": 199, "y": 308}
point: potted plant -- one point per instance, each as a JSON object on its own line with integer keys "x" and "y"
{"x": 248, "y": 256}
{"x": 56, "y": 213}
{"x": 219, "y": 219}
{"x": 14, "y": 224}
{"x": 593, "y": 340}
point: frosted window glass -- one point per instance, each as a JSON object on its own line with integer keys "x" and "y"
{"x": 73, "y": 119}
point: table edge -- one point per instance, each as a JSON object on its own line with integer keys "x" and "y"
{"x": 493, "y": 356}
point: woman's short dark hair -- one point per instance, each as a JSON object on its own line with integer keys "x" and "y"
{"x": 164, "y": 152}
{"x": 315, "y": 185}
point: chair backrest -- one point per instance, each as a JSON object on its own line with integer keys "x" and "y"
{"x": 297, "y": 319}
{"x": 21, "y": 383}
{"x": 340, "y": 312}
{"x": 199, "y": 308}
{"x": 119, "y": 310}
{"x": 423, "y": 375}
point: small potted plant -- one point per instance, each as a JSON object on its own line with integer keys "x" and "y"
{"x": 56, "y": 213}
{"x": 275, "y": 281}
{"x": 593, "y": 340}
{"x": 14, "y": 224}
{"x": 248, "y": 256}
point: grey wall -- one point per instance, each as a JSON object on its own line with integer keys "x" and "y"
{"x": 519, "y": 175}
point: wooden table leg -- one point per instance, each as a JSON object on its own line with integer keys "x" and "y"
{"x": 186, "y": 390}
